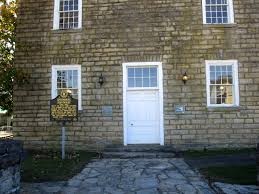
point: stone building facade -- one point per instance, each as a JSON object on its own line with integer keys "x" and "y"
{"x": 141, "y": 49}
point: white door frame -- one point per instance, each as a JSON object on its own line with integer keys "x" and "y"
{"x": 161, "y": 97}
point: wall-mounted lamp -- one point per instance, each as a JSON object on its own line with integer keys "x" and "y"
{"x": 185, "y": 78}
{"x": 101, "y": 80}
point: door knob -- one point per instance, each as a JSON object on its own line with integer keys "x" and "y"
{"x": 131, "y": 124}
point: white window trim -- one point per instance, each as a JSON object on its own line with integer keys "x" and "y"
{"x": 56, "y": 15}
{"x": 161, "y": 96}
{"x": 230, "y": 13}
{"x": 235, "y": 81}
{"x": 55, "y": 68}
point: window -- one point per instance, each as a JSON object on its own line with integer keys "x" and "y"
{"x": 67, "y": 14}
{"x": 218, "y": 12}
{"x": 67, "y": 77}
{"x": 222, "y": 83}
{"x": 142, "y": 77}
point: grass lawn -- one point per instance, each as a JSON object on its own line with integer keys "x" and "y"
{"x": 217, "y": 152}
{"x": 48, "y": 165}
{"x": 244, "y": 175}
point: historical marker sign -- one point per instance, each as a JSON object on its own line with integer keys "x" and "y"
{"x": 63, "y": 108}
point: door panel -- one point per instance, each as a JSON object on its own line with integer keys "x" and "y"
{"x": 143, "y": 117}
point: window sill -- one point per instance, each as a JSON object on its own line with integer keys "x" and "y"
{"x": 232, "y": 25}
{"x": 223, "y": 108}
{"x": 62, "y": 31}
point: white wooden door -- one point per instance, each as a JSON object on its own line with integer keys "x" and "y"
{"x": 143, "y": 117}
{"x": 142, "y": 105}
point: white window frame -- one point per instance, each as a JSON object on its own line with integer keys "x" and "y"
{"x": 234, "y": 64}
{"x": 56, "y": 15}
{"x": 144, "y": 65}
{"x": 56, "y": 68}
{"x": 230, "y": 13}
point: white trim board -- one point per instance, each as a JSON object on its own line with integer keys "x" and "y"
{"x": 161, "y": 97}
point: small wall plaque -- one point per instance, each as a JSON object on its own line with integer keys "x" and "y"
{"x": 179, "y": 108}
{"x": 107, "y": 111}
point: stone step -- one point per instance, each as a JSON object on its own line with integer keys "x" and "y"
{"x": 126, "y": 155}
{"x": 141, "y": 148}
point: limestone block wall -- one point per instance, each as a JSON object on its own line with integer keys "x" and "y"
{"x": 11, "y": 153}
{"x": 117, "y": 31}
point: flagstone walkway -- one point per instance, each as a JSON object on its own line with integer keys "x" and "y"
{"x": 136, "y": 176}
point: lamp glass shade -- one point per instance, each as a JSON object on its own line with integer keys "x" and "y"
{"x": 185, "y": 78}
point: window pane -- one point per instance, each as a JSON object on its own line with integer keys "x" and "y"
{"x": 208, "y": 20}
{"x": 230, "y": 79}
{"x": 153, "y": 82}
{"x": 145, "y": 72}
{"x": 64, "y": 84}
{"x": 70, "y": 79}
{"x": 224, "y": 68}
{"x": 229, "y": 95}
{"x": 229, "y": 68}
{"x": 138, "y": 82}
{"x": 212, "y": 68}
{"x": 138, "y": 72}
{"x": 75, "y": 73}
{"x": 75, "y": 82}
{"x": 130, "y": 82}
{"x": 218, "y": 77}
{"x": 131, "y": 72}
{"x": 213, "y": 91}
{"x": 212, "y": 78}
{"x": 224, "y": 77}
{"x": 153, "y": 72}
{"x": 58, "y": 84}
{"x": 146, "y": 82}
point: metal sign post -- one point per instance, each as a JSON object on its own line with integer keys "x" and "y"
{"x": 63, "y": 109}
{"x": 63, "y": 141}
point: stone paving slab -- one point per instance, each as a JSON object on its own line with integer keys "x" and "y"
{"x": 224, "y": 188}
{"x": 42, "y": 188}
{"x": 133, "y": 176}
{"x": 136, "y": 176}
